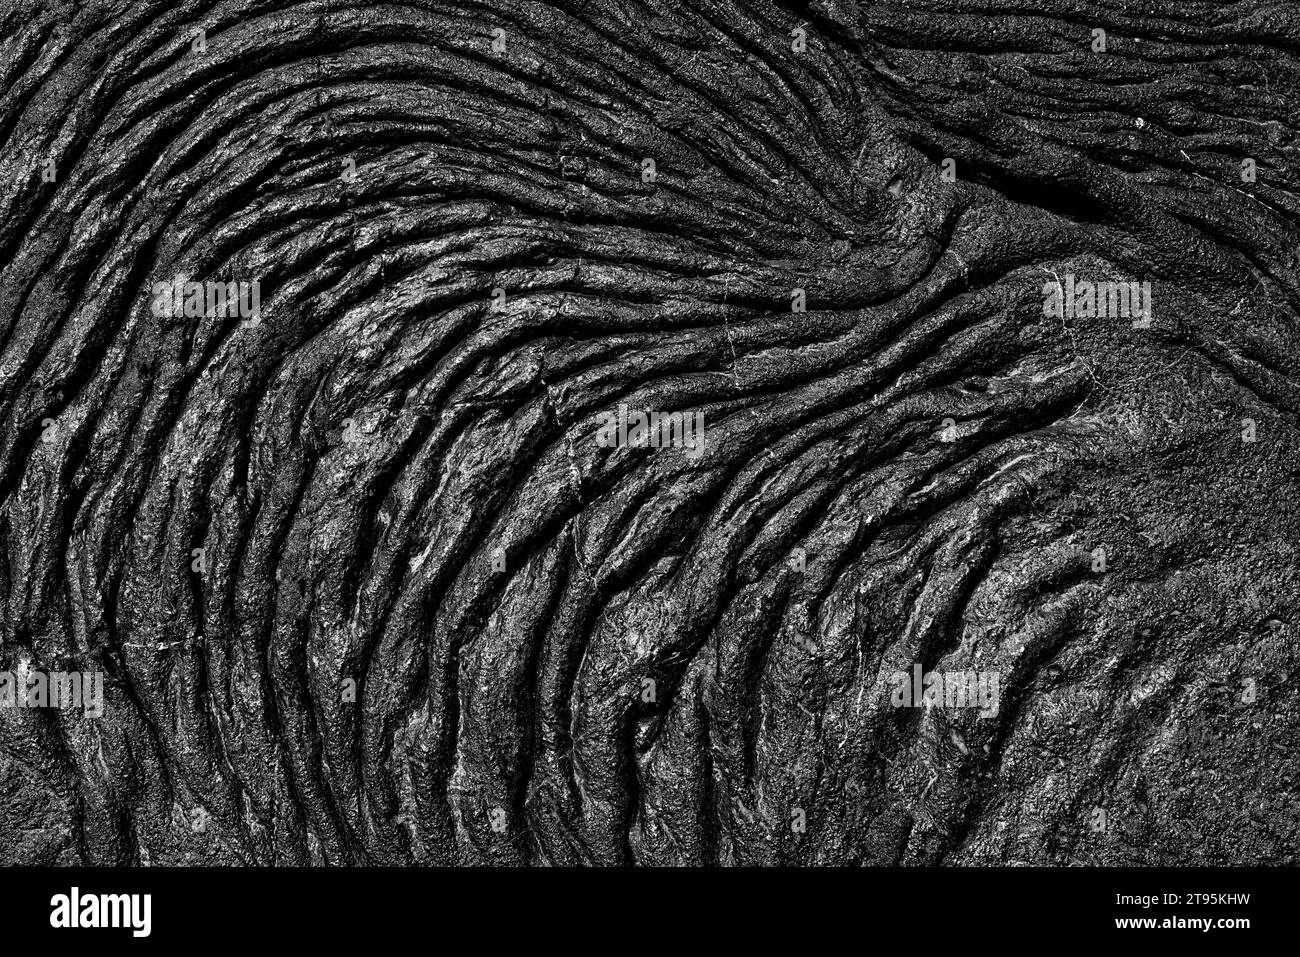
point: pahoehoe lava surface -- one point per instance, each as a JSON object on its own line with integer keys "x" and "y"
{"x": 370, "y": 579}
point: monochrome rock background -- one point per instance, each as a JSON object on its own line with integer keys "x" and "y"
{"x": 366, "y": 590}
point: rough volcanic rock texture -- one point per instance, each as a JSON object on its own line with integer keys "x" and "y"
{"x": 434, "y": 619}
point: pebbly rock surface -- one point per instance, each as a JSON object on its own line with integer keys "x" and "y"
{"x": 607, "y": 432}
